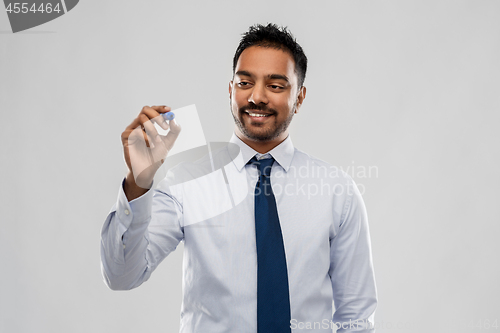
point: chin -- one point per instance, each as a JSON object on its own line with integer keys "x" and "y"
{"x": 260, "y": 136}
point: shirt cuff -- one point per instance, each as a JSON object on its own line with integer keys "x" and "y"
{"x": 137, "y": 211}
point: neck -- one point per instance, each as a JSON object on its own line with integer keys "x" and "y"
{"x": 262, "y": 146}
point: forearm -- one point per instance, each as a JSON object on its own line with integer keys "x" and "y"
{"x": 124, "y": 242}
{"x": 138, "y": 235}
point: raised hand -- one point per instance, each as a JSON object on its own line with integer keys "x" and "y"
{"x": 145, "y": 149}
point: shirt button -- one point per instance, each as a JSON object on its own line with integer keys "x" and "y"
{"x": 127, "y": 212}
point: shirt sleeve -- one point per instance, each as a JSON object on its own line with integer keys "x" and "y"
{"x": 137, "y": 236}
{"x": 351, "y": 268}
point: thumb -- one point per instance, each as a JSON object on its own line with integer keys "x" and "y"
{"x": 172, "y": 134}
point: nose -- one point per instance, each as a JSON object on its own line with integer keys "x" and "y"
{"x": 258, "y": 95}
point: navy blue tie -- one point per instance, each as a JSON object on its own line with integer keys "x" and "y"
{"x": 273, "y": 301}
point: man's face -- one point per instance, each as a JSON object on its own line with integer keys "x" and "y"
{"x": 264, "y": 94}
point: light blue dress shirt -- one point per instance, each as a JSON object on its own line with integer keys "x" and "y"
{"x": 325, "y": 234}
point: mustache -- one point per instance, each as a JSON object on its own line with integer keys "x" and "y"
{"x": 252, "y": 106}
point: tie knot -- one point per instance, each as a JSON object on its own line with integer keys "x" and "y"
{"x": 264, "y": 165}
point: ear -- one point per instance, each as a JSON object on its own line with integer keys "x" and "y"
{"x": 300, "y": 98}
{"x": 230, "y": 88}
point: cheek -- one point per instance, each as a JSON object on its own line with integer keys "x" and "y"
{"x": 235, "y": 105}
{"x": 285, "y": 102}
{"x": 238, "y": 99}
{"x": 292, "y": 101}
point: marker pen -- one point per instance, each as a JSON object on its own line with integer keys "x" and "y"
{"x": 168, "y": 115}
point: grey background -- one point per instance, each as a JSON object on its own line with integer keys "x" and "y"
{"x": 411, "y": 87}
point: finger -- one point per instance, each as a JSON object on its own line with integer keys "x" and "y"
{"x": 148, "y": 126}
{"x": 131, "y": 135}
{"x": 161, "y": 108}
{"x": 136, "y": 131}
{"x": 147, "y": 138}
{"x": 175, "y": 127}
{"x": 172, "y": 135}
{"x": 134, "y": 124}
{"x": 161, "y": 124}
{"x": 154, "y": 112}
{"x": 151, "y": 112}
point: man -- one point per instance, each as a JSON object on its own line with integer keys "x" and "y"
{"x": 272, "y": 238}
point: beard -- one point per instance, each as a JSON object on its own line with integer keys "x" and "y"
{"x": 268, "y": 131}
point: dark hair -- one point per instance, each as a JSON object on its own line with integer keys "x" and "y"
{"x": 279, "y": 38}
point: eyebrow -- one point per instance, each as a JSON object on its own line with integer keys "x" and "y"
{"x": 270, "y": 76}
{"x": 278, "y": 77}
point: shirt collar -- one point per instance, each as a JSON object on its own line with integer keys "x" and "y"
{"x": 282, "y": 153}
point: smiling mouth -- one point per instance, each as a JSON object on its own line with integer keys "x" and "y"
{"x": 260, "y": 115}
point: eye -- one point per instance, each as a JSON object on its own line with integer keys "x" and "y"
{"x": 244, "y": 84}
{"x": 276, "y": 87}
